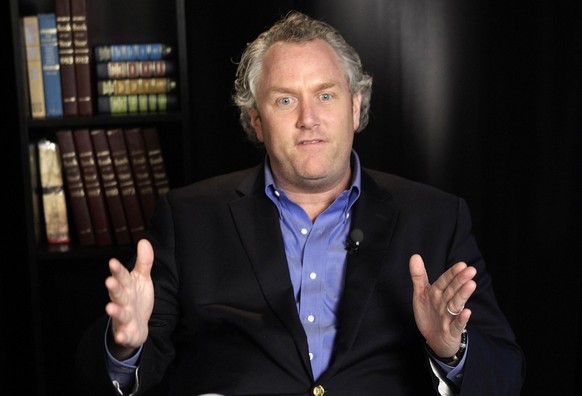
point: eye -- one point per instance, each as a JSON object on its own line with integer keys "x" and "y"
{"x": 326, "y": 97}
{"x": 286, "y": 101}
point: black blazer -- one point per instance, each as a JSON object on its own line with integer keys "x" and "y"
{"x": 225, "y": 319}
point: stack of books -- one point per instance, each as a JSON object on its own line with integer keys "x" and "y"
{"x": 135, "y": 78}
{"x": 112, "y": 179}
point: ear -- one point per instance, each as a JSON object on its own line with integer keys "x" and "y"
{"x": 255, "y": 119}
{"x": 356, "y": 106}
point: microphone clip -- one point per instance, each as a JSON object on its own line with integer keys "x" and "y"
{"x": 355, "y": 238}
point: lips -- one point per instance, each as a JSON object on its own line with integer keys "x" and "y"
{"x": 306, "y": 142}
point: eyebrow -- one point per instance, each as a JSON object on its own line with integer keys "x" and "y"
{"x": 320, "y": 87}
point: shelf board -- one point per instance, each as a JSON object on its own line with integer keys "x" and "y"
{"x": 59, "y": 253}
{"x": 125, "y": 119}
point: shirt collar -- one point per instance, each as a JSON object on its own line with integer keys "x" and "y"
{"x": 271, "y": 188}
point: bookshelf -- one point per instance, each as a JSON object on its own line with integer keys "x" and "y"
{"x": 67, "y": 291}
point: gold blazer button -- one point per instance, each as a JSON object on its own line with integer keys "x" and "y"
{"x": 318, "y": 391}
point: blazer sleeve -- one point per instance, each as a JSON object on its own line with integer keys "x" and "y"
{"x": 494, "y": 363}
{"x": 91, "y": 372}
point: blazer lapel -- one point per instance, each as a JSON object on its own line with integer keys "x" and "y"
{"x": 257, "y": 221}
{"x": 376, "y": 217}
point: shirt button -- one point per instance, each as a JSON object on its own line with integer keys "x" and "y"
{"x": 311, "y": 318}
{"x": 304, "y": 231}
{"x": 277, "y": 194}
{"x": 313, "y": 275}
{"x": 310, "y": 356}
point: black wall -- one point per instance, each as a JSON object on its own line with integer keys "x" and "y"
{"x": 482, "y": 100}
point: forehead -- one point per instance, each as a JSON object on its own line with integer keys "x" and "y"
{"x": 296, "y": 63}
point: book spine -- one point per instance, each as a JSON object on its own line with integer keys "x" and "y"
{"x": 34, "y": 66}
{"x": 66, "y": 57}
{"x": 51, "y": 73}
{"x": 82, "y": 55}
{"x": 145, "y": 103}
{"x": 93, "y": 188}
{"x": 141, "y": 171}
{"x": 135, "y": 86}
{"x": 135, "y": 69}
{"x": 127, "y": 187}
{"x": 53, "y": 195}
{"x": 75, "y": 188}
{"x": 110, "y": 186}
{"x": 34, "y": 184}
{"x": 131, "y": 52}
{"x": 156, "y": 160}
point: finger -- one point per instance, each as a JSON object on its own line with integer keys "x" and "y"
{"x": 418, "y": 273}
{"x": 119, "y": 272}
{"x": 458, "y": 300}
{"x": 145, "y": 258}
{"x": 460, "y": 322}
{"x": 449, "y": 276}
{"x": 113, "y": 310}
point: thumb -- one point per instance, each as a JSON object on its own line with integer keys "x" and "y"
{"x": 145, "y": 258}
{"x": 418, "y": 273}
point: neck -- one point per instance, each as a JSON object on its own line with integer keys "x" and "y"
{"x": 315, "y": 202}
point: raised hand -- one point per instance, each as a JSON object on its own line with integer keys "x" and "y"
{"x": 439, "y": 309}
{"x": 132, "y": 301}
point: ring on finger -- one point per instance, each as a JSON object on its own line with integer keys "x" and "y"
{"x": 453, "y": 313}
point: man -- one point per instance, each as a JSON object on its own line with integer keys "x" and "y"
{"x": 306, "y": 275}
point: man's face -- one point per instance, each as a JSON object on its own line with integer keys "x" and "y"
{"x": 306, "y": 116}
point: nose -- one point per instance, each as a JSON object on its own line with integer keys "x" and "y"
{"x": 307, "y": 116}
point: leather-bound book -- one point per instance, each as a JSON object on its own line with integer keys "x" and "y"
{"x": 122, "y": 166}
{"x": 83, "y": 56}
{"x": 156, "y": 160}
{"x": 93, "y": 187}
{"x": 135, "y": 86}
{"x": 135, "y": 69}
{"x": 142, "y": 173}
{"x": 75, "y": 188}
{"x": 143, "y": 103}
{"x": 110, "y": 186}
{"x": 66, "y": 57}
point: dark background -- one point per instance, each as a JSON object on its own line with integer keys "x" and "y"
{"x": 480, "y": 98}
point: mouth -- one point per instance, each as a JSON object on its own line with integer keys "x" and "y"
{"x": 307, "y": 142}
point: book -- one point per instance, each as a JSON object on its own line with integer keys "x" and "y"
{"x": 93, "y": 187}
{"x": 82, "y": 57}
{"x": 135, "y": 69}
{"x": 142, "y": 173}
{"x": 131, "y": 52}
{"x": 66, "y": 57}
{"x": 75, "y": 188}
{"x": 34, "y": 183}
{"x": 34, "y": 66}
{"x": 135, "y": 86}
{"x": 130, "y": 199}
{"x": 110, "y": 186}
{"x": 146, "y": 103}
{"x": 51, "y": 71}
{"x": 156, "y": 160}
{"x": 54, "y": 205}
